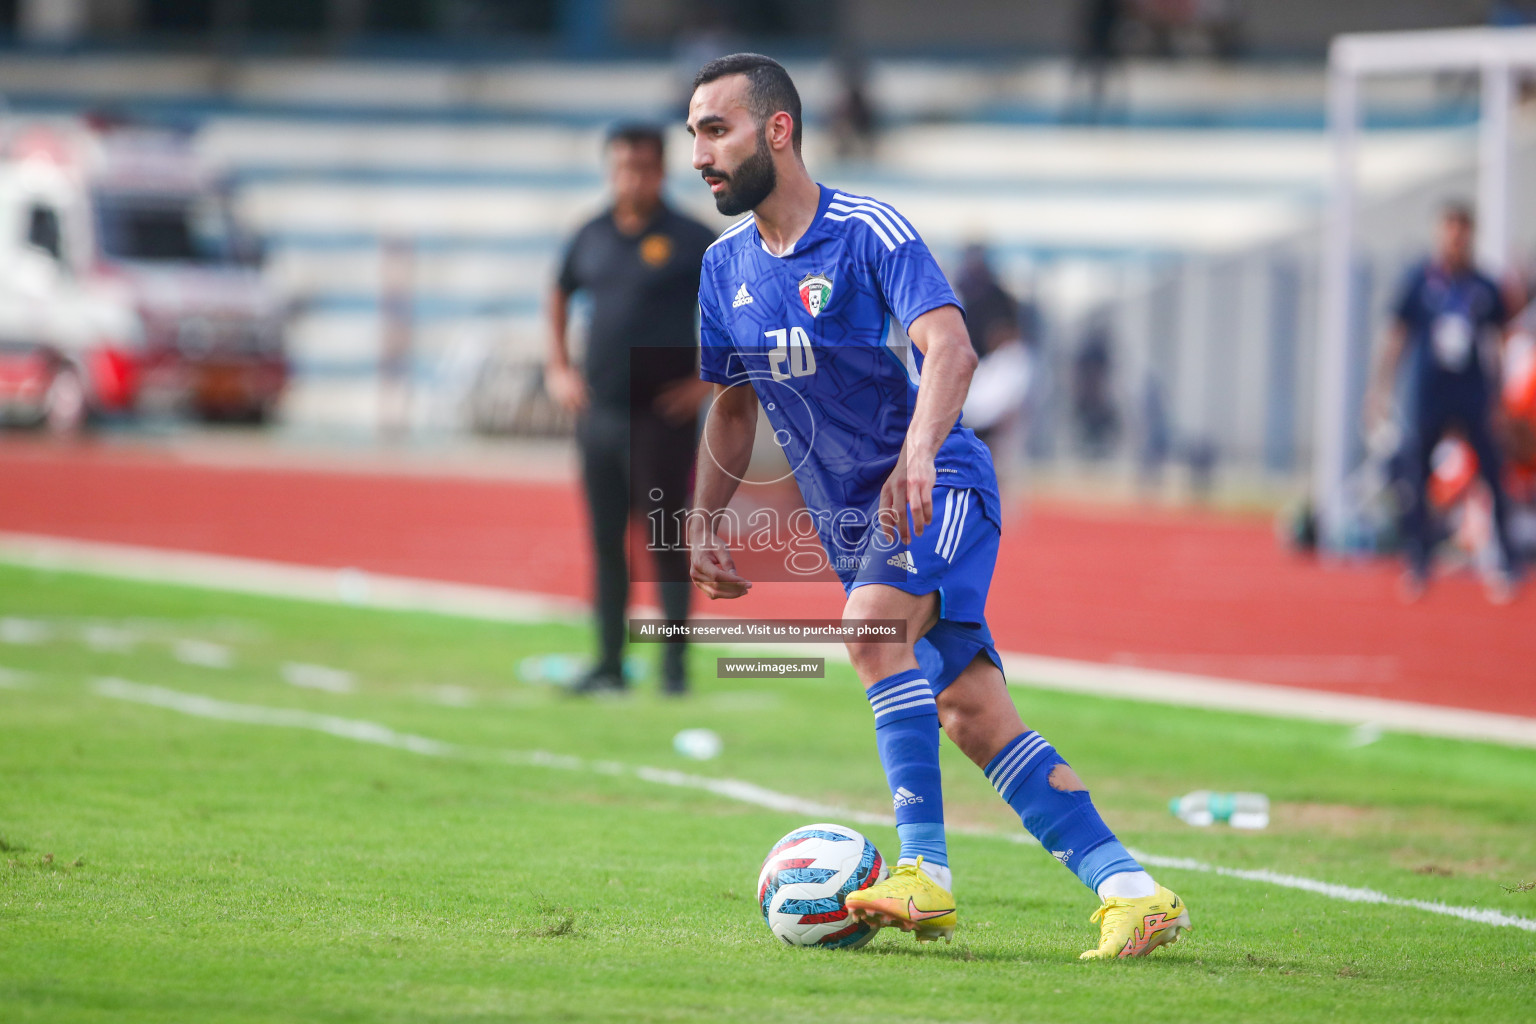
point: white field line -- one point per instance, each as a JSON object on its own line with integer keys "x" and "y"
{"x": 24, "y": 631}
{"x": 730, "y": 789}
{"x": 202, "y": 653}
{"x": 252, "y": 714}
{"x": 1129, "y": 682}
{"x": 318, "y": 677}
{"x": 1157, "y": 686}
{"x": 109, "y": 639}
{"x": 1347, "y": 893}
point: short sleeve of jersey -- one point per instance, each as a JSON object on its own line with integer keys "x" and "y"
{"x": 567, "y": 280}
{"x": 912, "y": 282}
{"x": 1405, "y": 307}
{"x": 714, "y": 343}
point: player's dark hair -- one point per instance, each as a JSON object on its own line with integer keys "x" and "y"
{"x": 632, "y": 133}
{"x": 1460, "y": 211}
{"x": 769, "y": 88}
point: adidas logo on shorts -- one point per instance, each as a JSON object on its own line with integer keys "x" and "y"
{"x": 902, "y": 560}
{"x": 905, "y": 796}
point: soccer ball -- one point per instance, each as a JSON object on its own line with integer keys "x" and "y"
{"x": 804, "y": 879}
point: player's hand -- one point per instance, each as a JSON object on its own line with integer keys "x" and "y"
{"x": 910, "y": 485}
{"x": 711, "y": 569}
{"x": 678, "y": 402}
{"x": 566, "y": 387}
{"x": 1378, "y": 408}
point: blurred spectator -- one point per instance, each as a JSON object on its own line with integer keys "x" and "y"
{"x": 994, "y": 408}
{"x": 637, "y": 395}
{"x": 1170, "y": 23}
{"x": 1448, "y": 322}
{"x": 1222, "y": 22}
{"x": 1094, "y": 413}
{"x": 397, "y": 303}
{"x": 853, "y": 118}
{"x": 1202, "y": 454}
{"x": 1099, "y": 49}
{"x": 1031, "y": 323}
{"x": 1155, "y": 447}
{"x": 991, "y": 314}
{"x": 706, "y": 34}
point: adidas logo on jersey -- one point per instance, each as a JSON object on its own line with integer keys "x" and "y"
{"x": 742, "y": 297}
{"x": 904, "y": 797}
{"x": 902, "y": 560}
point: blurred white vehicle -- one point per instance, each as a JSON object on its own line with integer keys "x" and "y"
{"x": 123, "y": 284}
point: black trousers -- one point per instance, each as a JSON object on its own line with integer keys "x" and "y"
{"x": 1437, "y": 410}
{"x": 635, "y": 466}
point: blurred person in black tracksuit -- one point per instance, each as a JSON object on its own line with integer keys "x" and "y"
{"x": 637, "y": 394}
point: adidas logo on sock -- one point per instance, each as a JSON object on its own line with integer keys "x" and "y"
{"x": 742, "y": 297}
{"x": 904, "y": 797}
{"x": 1062, "y": 855}
{"x": 902, "y": 560}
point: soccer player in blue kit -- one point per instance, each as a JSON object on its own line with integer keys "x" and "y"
{"x": 796, "y": 302}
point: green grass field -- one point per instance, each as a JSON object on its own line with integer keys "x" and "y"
{"x": 160, "y": 866}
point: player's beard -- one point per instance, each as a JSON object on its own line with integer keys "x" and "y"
{"x": 751, "y": 183}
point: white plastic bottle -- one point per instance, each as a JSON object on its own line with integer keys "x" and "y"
{"x": 1203, "y": 807}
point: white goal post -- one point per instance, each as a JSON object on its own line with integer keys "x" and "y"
{"x": 1497, "y": 55}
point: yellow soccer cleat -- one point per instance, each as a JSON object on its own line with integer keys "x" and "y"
{"x": 1137, "y": 927}
{"x": 909, "y": 900}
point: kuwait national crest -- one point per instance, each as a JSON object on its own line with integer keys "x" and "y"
{"x": 815, "y": 293}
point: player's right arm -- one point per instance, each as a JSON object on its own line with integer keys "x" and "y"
{"x": 1378, "y": 399}
{"x": 561, "y": 379}
{"x": 1389, "y": 355}
{"x": 725, "y": 450}
{"x": 724, "y": 454}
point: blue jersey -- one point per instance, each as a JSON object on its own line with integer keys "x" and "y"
{"x": 1449, "y": 320}
{"x": 811, "y": 331}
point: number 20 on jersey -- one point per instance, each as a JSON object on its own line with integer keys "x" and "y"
{"x": 791, "y": 355}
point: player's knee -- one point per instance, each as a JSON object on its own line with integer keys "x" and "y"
{"x": 875, "y": 661}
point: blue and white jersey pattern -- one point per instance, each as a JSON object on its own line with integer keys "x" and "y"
{"x": 811, "y": 331}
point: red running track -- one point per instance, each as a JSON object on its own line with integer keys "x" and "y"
{"x": 1202, "y": 593}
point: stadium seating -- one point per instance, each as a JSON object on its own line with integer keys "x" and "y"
{"x": 483, "y": 169}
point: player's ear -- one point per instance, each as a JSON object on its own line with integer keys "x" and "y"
{"x": 781, "y": 130}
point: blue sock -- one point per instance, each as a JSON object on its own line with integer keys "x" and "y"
{"x": 907, "y": 733}
{"x": 1067, "y": 824}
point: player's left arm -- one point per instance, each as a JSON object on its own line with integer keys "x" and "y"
{"x": 948, "y": 362}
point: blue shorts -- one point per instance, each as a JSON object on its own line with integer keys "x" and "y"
{"x": 955, "y": 556}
